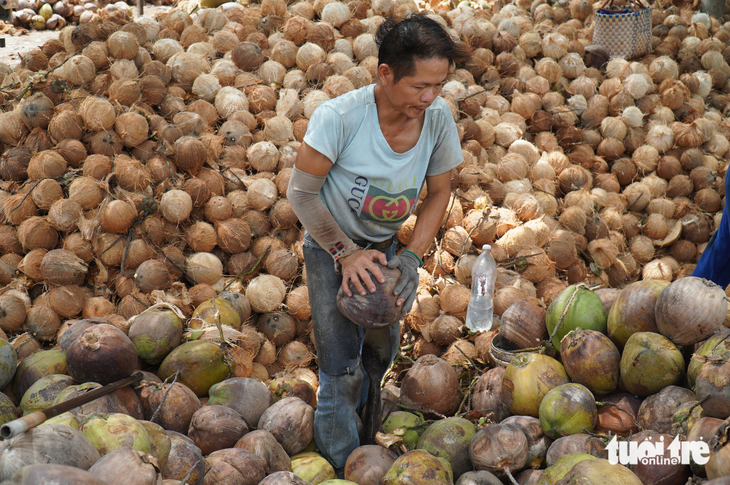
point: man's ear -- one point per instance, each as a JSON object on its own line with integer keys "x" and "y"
{"x": 385, "y": 74}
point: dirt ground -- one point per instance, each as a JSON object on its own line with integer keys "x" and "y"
{"x": 36, "y": 38}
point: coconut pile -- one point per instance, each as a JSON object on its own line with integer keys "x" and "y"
{"x": 145, "y": 223}
{"x": 39, "y": 15}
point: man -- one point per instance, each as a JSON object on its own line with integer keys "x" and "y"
{"x": 358, "y": 175}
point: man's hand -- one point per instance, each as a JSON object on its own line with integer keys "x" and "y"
{"x": 355, "y": 268}
{"x": 407, "y": 285}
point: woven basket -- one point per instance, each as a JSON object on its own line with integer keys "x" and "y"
{"x": 623, "y": 31}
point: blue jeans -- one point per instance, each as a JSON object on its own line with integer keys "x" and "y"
{"x": 343, "y": 383}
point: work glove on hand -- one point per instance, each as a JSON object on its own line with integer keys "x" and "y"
{"x": 407, "y": 285}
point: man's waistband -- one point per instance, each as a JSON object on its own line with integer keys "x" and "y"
{"x": 381, "y": 246}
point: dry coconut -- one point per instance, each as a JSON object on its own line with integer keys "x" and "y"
{"x": 335, "y": 14}
{"x": 527, "y": 207}
{"x": 603, "y": 251}
{"x": 456, "y": 241}
{"x": 206, "y": 86}
{"x": 337, "y": 85}
{"x": 264, "y": 157}
{"x": 661, "y": 137}
{"x": 517, "y": 239}
{"x": 645, "y": 158}
{"x": 541, "y": 229}
{"x": 632, "y": 117}
{"x": 77, "y": 71}
{"x": 266, "y": 293}
{"x": 642, "y": 248}
{"x": 204, "y": 268}
{"x": 97, "y": 113}
{"x": 312, "y": 100}
{"x": 308, "y": 55}
{"x": 288, "y": 104}
{"x": 279, "y": 130}
{"x": 659, "y": 269}
{"x": 176, "y": 205}
{"x": 272, "y": 72}
{"x": 186, "y": 67}
{"x": 535, "y": 264}
{"x": 228, "y": 100}
{"x": 507, "y": 133}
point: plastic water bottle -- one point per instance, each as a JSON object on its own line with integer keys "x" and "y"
{"x": 481, "y": 307}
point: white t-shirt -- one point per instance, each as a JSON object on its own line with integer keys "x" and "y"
{"x": 371, "y": 189}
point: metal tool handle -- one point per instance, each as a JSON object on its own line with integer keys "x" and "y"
{"x": 21, "y": 425}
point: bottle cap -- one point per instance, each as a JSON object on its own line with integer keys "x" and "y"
{"x": 486, "y": 247}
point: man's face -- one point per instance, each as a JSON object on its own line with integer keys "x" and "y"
{"x": 413, "y": 94}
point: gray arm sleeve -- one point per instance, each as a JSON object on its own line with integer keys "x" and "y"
{"x": 303, "y": 195}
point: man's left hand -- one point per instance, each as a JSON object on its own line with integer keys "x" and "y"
{"x": 407, "y": 286}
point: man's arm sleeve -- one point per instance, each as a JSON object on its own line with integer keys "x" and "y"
{"x": 303, "y": 195}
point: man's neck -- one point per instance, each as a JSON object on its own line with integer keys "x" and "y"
{"x": 388, "y": 116}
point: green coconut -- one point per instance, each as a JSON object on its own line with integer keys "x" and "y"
{"x": 108, "y": 432}
{"x": 717, "y": 344}
{"x": 215, "y": 311}
{"x": 405, "y": 424}
{"x": 8, "y": 412}
{"x": 46, "y": 444}
{"x": 527, "y": 379}
{"x": 649, "y": 363}
{"x": 561, "y": 467}
{"x": 239, "y": 303}
{"x": 103, "y": 405}
{"x": 312, "y": 467}
{"x": 686, "y": 415}
{"x": 69, "y": 392}
{"x": 576, "y": 306}
{"x": 418, "y": 466}
{"x": 337, "y": 481}
{"x": 288, "y": 385}
{"x": 8, "y": 362}
{"x": 250, "y": 397}
{"x": 42, "y": 393}
{"x": 67, "y": 418}
{"x": 449, "y": 438}
{"x": 599, "y": 472}
{"x": 633, "y": 310}
{"x": 201, "y": 364}
{"x": 568, "y": 409}
{"x": 39, "y": 364}
{"x": 592, "y": 359}
{"x": 159, "y": 442}
{"x": 155, "y": 333}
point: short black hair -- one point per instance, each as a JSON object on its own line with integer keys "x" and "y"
{"x": 417, "y": 36}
